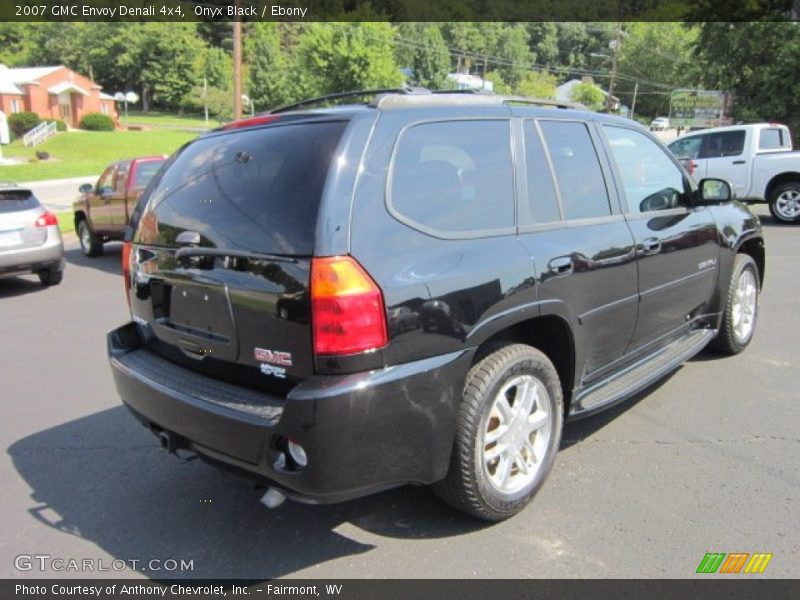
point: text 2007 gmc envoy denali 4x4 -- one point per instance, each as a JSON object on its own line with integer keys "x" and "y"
{"x": 420, "y": 289}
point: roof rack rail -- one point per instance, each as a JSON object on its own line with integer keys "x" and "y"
{"x": 350, "y": 94}
{"x": 542, "y": 102}
{"x": 390, "y": 100}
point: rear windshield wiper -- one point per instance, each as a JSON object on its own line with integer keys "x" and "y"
{"x": 196, "y": 251}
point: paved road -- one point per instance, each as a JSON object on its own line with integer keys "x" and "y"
{"x": 708, "y": 460}
{"x": 58, "y": 194}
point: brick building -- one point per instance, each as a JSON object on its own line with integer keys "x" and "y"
{"x": 52, "y": 93}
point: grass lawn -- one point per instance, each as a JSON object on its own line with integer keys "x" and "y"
{"x": 79, "y": 153}
{"x": 159, "y": 119}
{"x": 66, "y": 221}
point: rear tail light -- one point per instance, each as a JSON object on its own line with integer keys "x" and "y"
{"x": 347, "y": 310}
{"x": 46, "y": 220}
{"x": 126, "y": 269}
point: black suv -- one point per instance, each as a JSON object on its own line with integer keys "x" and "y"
{"x": 419, "y": 289}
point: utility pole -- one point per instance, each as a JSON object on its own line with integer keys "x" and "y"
{"x": 633, "y": 104}
{"x": 237, "y": 66}
{"x": 614, "y": 63}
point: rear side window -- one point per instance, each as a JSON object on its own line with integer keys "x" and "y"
{"x": 577, "y": 168}
{"x": 454, "y": 177}
{"x": 541, "y": 189}
{"x": 773, "y": 138}
{"x": 255, "y": 190}
{"x": 688, "y": 147}
{"x": 724, "y": 143}
{"x": 16, "y": 200}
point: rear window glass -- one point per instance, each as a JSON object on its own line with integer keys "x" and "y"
{"x": 145, "y": 172}
{"x": 773, "y": 139}
{"x": 256, "y": 190}
{"x": 16, "y": 200}
{"x": 455, "y": 176}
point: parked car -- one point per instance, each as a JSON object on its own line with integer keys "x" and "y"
{"x": 758, "y": 161}
{"x": 659, "y": 124}
{"x": 572, "y": 260}
{"x": 102, "y": 211}
{"x": 30, "y": 240}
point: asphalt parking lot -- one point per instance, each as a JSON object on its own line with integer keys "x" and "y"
{"x": 708, "y": 460}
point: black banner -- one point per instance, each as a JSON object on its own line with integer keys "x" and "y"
{"x": 398, "y": 10}
{"x": 733, "y": 588}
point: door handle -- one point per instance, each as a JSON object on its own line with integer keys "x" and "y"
{"x": 739, "y": 162}
{"x": 561, "y": 265}
{"x": 651, "y": 245}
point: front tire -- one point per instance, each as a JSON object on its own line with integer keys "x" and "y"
{"x": 741, "y": 308}
{"x": 90, "y": 243}
{"x": 50, "y": 277}
{"x": 784, "y": 202}
{"x": 507, "y": 434}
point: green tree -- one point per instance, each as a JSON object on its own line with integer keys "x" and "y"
{"x": 588, "y": 94}
{"x": 217, "y": 68}
{"x": 512, "y": 48}
{"x": 657, "y": 56}
{"x": 336, "y": 57}
{"x": 431, "y": 60}
{"x": 267, "y": 85}
{"x": 537, "y": 84}
{"x": 759, "y": 63}
{"x": 498, "y": 85}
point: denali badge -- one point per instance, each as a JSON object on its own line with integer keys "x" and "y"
{"x": 273, "y": 357}
{"x": 706, "y": 264}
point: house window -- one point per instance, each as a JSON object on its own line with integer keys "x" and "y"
{"x": 14, "y": 105}
{"x": 104, "y": 108}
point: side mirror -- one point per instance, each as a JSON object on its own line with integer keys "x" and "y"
{"x": 85, "y": 188}
{"x": 714, "y": 191}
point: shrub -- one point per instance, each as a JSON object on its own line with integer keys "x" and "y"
{"x": 60, "y": 125}
{"x": 97, "y": 122}
{"x": 22, "y": 122}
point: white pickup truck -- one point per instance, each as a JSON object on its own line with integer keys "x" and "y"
{"x": 756, "y": 159}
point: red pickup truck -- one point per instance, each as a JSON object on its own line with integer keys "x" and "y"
{"x": 102, "y": 211}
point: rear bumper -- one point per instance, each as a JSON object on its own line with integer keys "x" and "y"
{"x": 362, "y": 432}
{"x": 32, "y": 259}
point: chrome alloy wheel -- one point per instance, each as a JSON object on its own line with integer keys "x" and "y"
{"x": 517, "y": 434}
{"x": 745, "y": 303}
{"x": 86, "y": 238}
{"x": 787, "y": 205}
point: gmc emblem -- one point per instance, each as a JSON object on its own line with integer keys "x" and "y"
{"x": 273, "y": 357}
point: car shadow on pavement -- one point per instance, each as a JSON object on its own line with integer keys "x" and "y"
{"x": 110, "y": 261}
{"x": 17, "y": 286}
{"x": 103, "y": 479}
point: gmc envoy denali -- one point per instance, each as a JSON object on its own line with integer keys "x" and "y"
{"x": 419, "y": 288}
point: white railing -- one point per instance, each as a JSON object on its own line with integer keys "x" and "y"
{"x": 42, "y": 132}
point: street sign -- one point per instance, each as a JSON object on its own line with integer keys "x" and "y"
{"x": 700, "y": 108}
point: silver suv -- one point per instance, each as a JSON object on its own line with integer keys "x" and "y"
{"x": 30, "y": 241}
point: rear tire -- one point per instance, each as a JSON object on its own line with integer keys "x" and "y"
{"x": 51, "y": 276}
{"x": 90, "y": 243}
{"x": 741, "y": 307}
{"x": 507, "y": 434}
{"x": 784, "y": 202}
